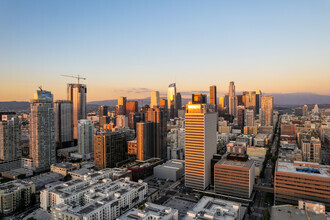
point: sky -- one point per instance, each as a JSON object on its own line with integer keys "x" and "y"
{"x": 129, "y": 47}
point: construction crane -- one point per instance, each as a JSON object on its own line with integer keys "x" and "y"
{"x": 78, "y": 77}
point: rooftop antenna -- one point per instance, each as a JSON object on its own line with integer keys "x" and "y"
{"x": 40, "y": 87}
{"x": 78, "y": 77}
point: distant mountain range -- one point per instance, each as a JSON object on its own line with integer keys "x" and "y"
{"x": 280, "y": 99}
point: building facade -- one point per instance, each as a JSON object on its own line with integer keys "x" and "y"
{"x": 10, "y": 139}
{"x": 63, "y": 123}
{"x": 85, "y": 136}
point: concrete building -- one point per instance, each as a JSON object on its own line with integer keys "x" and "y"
{"x": 85, "y": 137}
{"x": 256, "y": 151}
{"x": 63, "y": 124}
{"x": 151, "y": 211}
{"x": 234, "y": 175}
{"x": 103, "y": 199}
{"x": 17, "y": 173}
{"x": 15, "y": 195}
{"x": 201, "y": 144}
{"x": 64, "y": 168}
{"x": 42, "y": 134}
{"x": 121, "y": 121}
{"x": 10, "y": 139}
{"x": 266, "y": 114}
{"x": 132, "y": 148}
{"x": 296, "y": 181}
{"x": 155, "y": 100}
{"x": 305, "y": 211}
{"x": 76, "y": 93}
{"x": 217, "y": 209}
{"x": 110, "y": 148}
{"x": 171, "y": 170}
{"x": 311, "y": 150}
{"x": 249, "y": 117}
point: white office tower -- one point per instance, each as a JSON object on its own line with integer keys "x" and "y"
{"x": 77, "y": 95}
{"x": 201, "y": 144}
{"x": 155, "y": 100}
{"x": 85, "y": 136}
{"x": 42, "y": 134}
{"x": 121, "y": 121}
{"x": 10, "y": 139}
{"x": 63, "y": 123}
{"x": 232, "y": 110}
{"x": 249, "y": 117}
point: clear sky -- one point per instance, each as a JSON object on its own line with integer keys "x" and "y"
{"x": 130, "y": 47}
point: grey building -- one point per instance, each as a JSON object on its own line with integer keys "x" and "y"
{"x": 171, "y": 170}
{"x": 10, "y": 139}
{"x": 63, "y": 123}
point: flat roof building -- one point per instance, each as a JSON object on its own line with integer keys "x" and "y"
{"x": 296, "y": 181}
{"x": 172, "y": 170}
{"x": 217, "y": 209}
{"x": 234, "y": 175}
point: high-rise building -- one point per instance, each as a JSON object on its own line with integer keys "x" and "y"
{"x": 249, "y": 117}
{"x": 163, "y": 103}
{"x": 133, "y": 118}
{"x": 199, "y": 98}
{"x": 77, "y": 95}
{"x": 266, "y": 114}
{"x": 311, "y": 150}
{"x": 240, "y": 115}
{"x": 103, "y": 110}
{"x": 10, "y": 139}
{"x": 131, "y": 106}
{"x": 42, "y": 134}
{"x": 121, "y": 106}
{"x": 121, "y": 121}
{"x": 85, "y": 136}
{"x": 231, "y": 97}
{"x": 258, "y": 100}
{"x": 110, "y": 148}
{"x": 146, "y": 134}
{"x": 43, "y": 94}
{"x": 213, "y": 96}
{"x": 201, "y": 144}
{"x": 178, "y": 101}
{"x": 250, "y": 100}
{"x": 239, "y": 100}
{"x": 159, "y": 117}
{"x": 305, "y": 110}
{"x": 155, "y": 100}
{"x": 171, "y": 100}
{"x": 63, "y": 124}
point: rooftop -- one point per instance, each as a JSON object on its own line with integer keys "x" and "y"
{"x": 304, "y": 168}
{"x": 238, "y": 162}
{"x": 291, "y": 212}
{"x": 218, "y": 209}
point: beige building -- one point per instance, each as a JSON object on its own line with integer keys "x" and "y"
{"x": 64, "y": 168}
{"x": 311, "y": 150}
{"x": 201, "y": 144}
{"x": 266, "y": 113}
{"x": 14, "y": 194}
{"x": 256, "y": 151}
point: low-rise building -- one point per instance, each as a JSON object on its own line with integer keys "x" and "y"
{"x": 151, "y": 211}
{"x": 100, "y": 199}
{"x": 171, "y": 170}
{"x": 256, "y": 151}
{"x": 15, "y": 195}
{"x": 64, "y": 168}
{"x": 17, "y": 173}
{"x": 234, "y": 175}
{"x": 217, "y": 209}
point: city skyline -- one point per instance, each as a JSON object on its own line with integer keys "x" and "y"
{"x": 130, "y": 49}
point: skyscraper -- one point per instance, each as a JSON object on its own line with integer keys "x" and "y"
{"x": 201, "y": 144}
{"x": 77, "y": 95}
{"x": 110, "y": 148}
{"x": 258, "y": 100}
{"x": 131, "y": 106}
{"x": 305, "y": 110}
{"x": 10, "y": 139}
{"x": 221, "y": 105}
{"x": 63, "y": 123}
{"x": 163, "y": 103}
{"x": 159, "y": 117}
{"x": 231, "y": 98}
{"x": 103, "y": 110}
{"x": 199, "y": 98}
{"x": 250, "y": 100}
{"x": 178, "y": 101}
{"x": 249, "y": 117}
{"x": 146, "y": 134}
{"x": 155, "y": 100}
{"x": 171, "y": 100}
{"x": 85, "y": 136}
{"x": 240, "y": 115}
{"x": 213, "y": 95}
{"x": 42, "y": 134}
{"x": 121, "y": 106}
{"x": 266, "y": 114}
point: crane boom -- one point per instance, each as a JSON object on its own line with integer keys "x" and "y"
{"x": 78, "y": 77}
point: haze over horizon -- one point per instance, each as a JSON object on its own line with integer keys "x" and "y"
{"x": 129, "y": 48}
